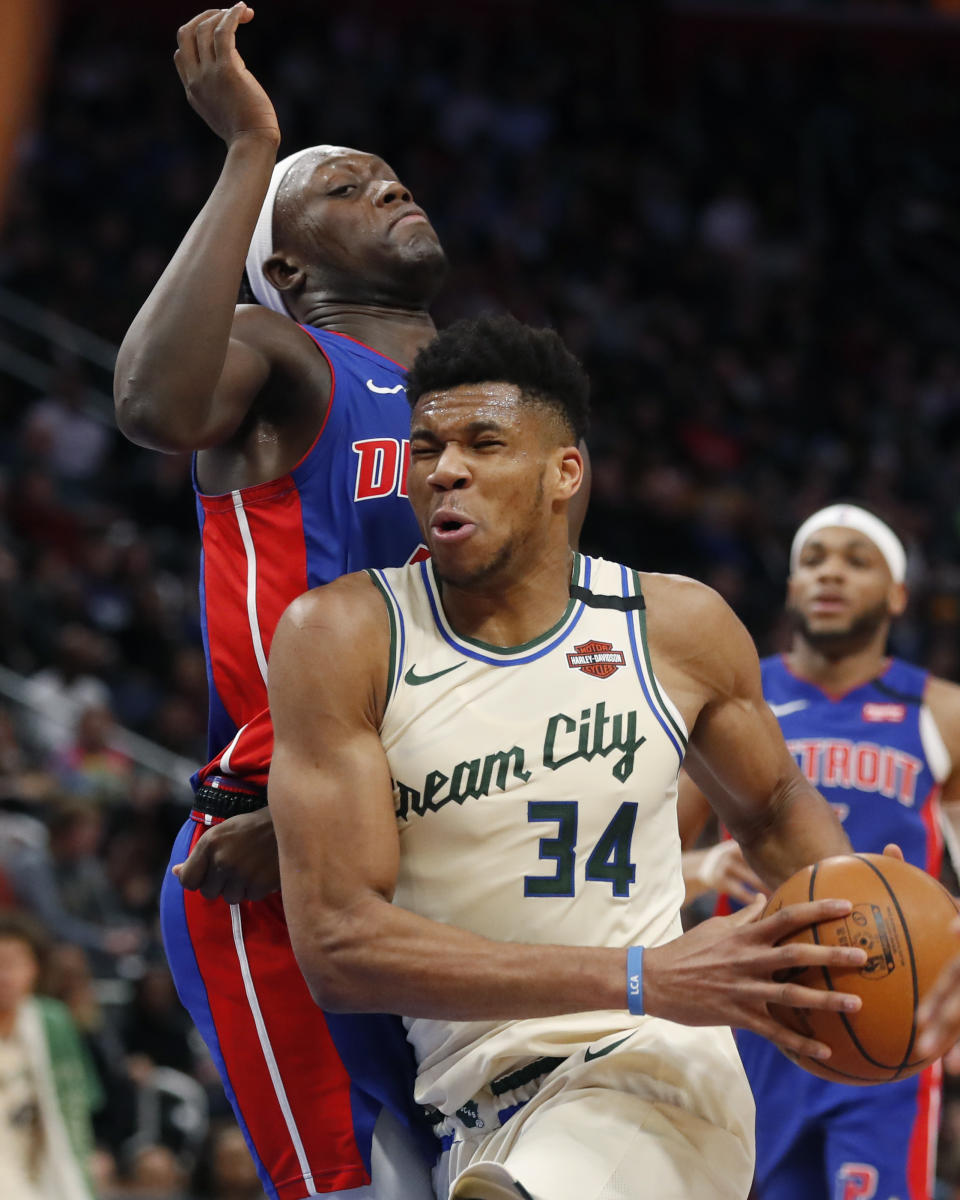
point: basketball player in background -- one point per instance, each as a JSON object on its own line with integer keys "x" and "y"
{"x": 473, "y": 786}
{"x": 880, "y": 739}
{"x": 296, "y": 411}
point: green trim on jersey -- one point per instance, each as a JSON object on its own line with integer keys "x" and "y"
{"x": 654, "y": 686}
{"x": 395, "y": 666}
{"x": 508, "y": 651}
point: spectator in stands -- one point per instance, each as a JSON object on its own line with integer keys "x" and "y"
{"x": 92, "y": 766}
{"x": 59, "y": 694}
{"x": 31, "y": 868}
{"x": 75, "y": 442}
{"x": 48, "y": 1089}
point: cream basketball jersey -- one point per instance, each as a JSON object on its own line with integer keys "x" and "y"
{"x": 535, "y": 792}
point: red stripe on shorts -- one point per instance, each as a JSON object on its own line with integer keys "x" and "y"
{"x": 921, "y": 1156}
{"x": 308, "y": 1094}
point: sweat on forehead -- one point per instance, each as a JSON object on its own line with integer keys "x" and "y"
{"x": 299, "y": 173}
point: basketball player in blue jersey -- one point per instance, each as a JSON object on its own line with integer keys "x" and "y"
{"x": 880, "y": 739}
{"x": 474, "y": 788}
{"x": 295, "y": 409}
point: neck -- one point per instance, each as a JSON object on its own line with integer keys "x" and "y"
{"x": 840, "y": 668}
{"x": 8, "y": 1020}
{"x": 391, "y": 330}
{"x": 505, "y": 611}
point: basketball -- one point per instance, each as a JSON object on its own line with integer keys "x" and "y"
{"x": 901, "y": 917}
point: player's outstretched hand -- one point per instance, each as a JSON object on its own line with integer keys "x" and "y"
{"x": 727, "y": 971}
{"x": 938, "y": 1018}
{"x": 722, "y": 868}
{"x": 218, "y": 84}
{"x": 236, "y": 859}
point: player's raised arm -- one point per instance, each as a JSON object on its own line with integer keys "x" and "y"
{"x": 737, "y": 754}
{"x": 182, "y": 381}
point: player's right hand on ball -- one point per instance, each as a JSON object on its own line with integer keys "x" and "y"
{"x": 727, "y": 971}
{"x": 218, "y": 84}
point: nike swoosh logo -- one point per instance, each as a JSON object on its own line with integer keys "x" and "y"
{"x": 792, "y": 706}
{"x": 414, "y": 679}
{"x": 382, "y": 391}
{"x": 590, "y": 1055}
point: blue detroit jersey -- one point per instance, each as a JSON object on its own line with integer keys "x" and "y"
{"x": 865, "y": 753}
{"x": 342, "y": 508}
{"x": 869, "y": 753}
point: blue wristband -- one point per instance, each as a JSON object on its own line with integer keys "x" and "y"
{"x": 635, "y": 980}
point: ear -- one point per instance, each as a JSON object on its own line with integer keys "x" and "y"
{"x": 897, "y": 599}
{"x": 285, "y": 272}
{"x": 569, "y": 472}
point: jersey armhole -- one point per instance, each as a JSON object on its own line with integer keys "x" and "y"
{"x": 934, "y": 747}
{"x": 397, "y": 637}
{"x": 298, "y": 470}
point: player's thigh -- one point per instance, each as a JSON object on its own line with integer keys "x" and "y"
{"x": 596, "y": 1144}
{"x": 237, "y": 976}
{"x": 882, "y": 1143}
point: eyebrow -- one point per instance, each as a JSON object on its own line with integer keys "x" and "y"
{"x": 475, "y": 427}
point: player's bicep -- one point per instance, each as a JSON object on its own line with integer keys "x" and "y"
{"x": 329, "y": 788}
{"x": 737, "y": 754}
{"x": 245, "y": 374}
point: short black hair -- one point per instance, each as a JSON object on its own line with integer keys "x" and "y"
{"x": 501, "y": 349}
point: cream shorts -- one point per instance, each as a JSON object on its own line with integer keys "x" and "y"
{"x": 599, "y": 1130}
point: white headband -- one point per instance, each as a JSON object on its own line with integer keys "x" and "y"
{"x": 261, "y": 244}
{"x": 849, "y": 516}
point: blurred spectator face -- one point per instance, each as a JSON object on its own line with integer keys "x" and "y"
{"x": 95, "y": 727}
{"x": 77, "y": 834}
{"x": 234, "y": 1172}
{"x": 19, "y": 971}
{"x": 156, "y": 1172}
{"x": 156, "y": 993}
{"x": 68, "y": 972}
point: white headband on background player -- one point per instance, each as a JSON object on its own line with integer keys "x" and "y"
{"x": 849, "y": 516}
{"x": 261, "y": 244}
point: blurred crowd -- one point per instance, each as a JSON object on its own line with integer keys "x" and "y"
{"x": 754, "y": 250}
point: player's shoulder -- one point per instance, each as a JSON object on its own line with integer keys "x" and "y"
{"x": 347, "y": 608}
{"x": 692, "y": 625}
{"x": 677, "y": 599}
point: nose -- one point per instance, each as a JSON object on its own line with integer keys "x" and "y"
{"x": 389, "y": 191}
{"x": 831, "y": 567}
{"x": 450, "y": 473}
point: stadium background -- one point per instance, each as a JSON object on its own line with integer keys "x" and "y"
{"x": 742, "y": 217}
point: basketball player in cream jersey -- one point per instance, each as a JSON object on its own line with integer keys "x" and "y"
{"x": 491, "y": 742}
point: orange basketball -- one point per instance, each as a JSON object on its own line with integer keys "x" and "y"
{"x": 901, "y": 917}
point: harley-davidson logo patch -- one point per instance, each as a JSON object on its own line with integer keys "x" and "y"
{"x": 598, "y": 659}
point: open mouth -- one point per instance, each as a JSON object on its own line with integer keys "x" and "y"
{"x": 828, "y": 604}
{"x": 452, "y": 529}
